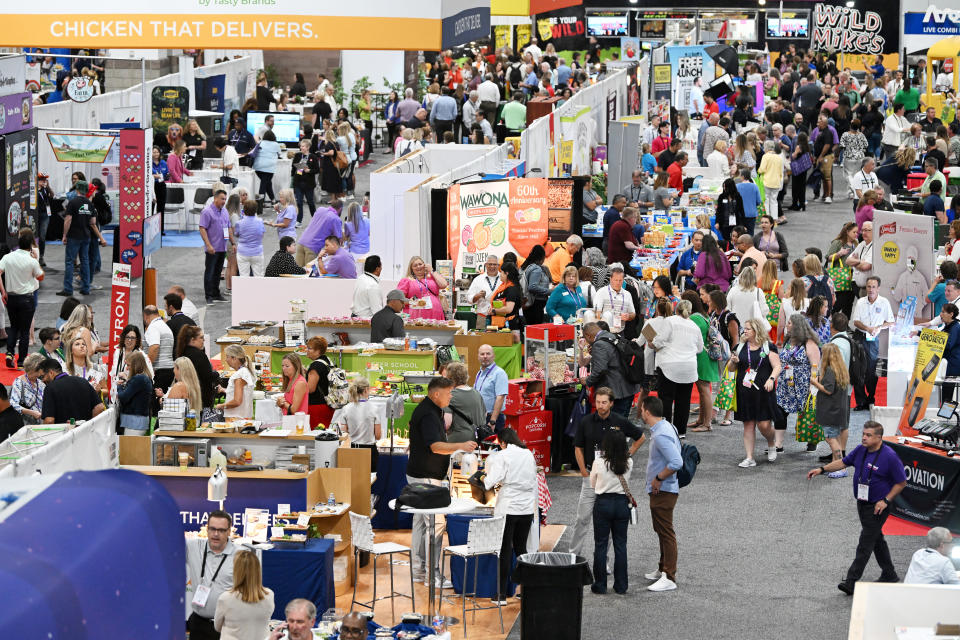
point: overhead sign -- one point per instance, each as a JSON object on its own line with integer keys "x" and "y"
{"x": 260, "y": 24}
{"x": 542, "y": 6}
{"x": 846, "y": 30}
{"x": 13, "y": 74}
{"x": 565, "y": 28}
{"x": 80, "y": 89}
{"x": 466, "y": 26}
{"x": 16, "y": 112}
{"x": 925, "y": 25}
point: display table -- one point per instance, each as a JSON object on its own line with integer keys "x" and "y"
{"x": 879, "y": 608}
{"x": 263, "y": 448}
{"x": 932, "y": 495}
{"x": 458, "y": 526}
{"x": 269, "y": 298}
{"x": 383, "y": 361}
{"x": 300, "y": 572}
{"x": 360, "y": 332}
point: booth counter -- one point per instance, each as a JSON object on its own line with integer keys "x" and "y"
{"x": 932, "y": 495}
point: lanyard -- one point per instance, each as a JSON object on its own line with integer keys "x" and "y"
{"x": 423, "y": 288}
{"x": 868, "y": 181}
{"x": 864, "y": 461}
{"x": 478, "y": 383}
{"x": 203, "y": 567}
{"x": 575, "y": 292}
{"x": 492, "y": 284}
{"x": 635, "y": 193}
{"x": 623, "y": 302}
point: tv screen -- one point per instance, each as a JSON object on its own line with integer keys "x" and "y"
{"x": 286, "y": 126}
{"x": 787, "y": 28}
{"x": 608, "y": 26}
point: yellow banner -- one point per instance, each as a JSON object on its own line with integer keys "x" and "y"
{"x": 523, "y": 36}
{"x": 929, "y": 354}
{"x": 164, "y": 31}
{"x": 510, "y": 7}
{"x": 661, "y": 73}
{"x": 503, "y": 36}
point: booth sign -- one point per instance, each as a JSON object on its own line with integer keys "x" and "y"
{"x": 80, "y": 89}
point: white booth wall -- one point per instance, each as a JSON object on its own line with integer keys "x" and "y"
{"x": 375, "y": 65}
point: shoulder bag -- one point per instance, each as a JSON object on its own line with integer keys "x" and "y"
{"x": 634, "y": 512}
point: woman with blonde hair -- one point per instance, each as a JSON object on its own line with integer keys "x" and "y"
{"x": 175, "y": 163}
{"x": 294, "y": 399}
{"x": 80, "y": 322}
{"x": 757, "y": 364}
{"x": 26, "y": 393}
{"x": 239, "y": 389}
{"x": 329, "y": 175}
{"x": 360, "y": 420}
{"x": 134, "y": 395}
{"x": 743, "y": 154}
{"x": 286, "y": 208}
{"x": 795, "y": 301}
{"x": 833, "y": 402}
{"x": 746, "y": 300}
{"x": 662, "y": 199}
{"x": 196, "y": 142}
{"x": 244, "y": 612}
{"x": 356, "y": 230}
{"x": 186, "y": 386}
{"x": 422, "y": 285}
{"x": 78, "y": 363}
{"x": 815, "y": 276}
{"x": 718, "y": 161}
{"x": 702, "y": 222}
{"x": 799, "y": 359}
{"x": 772, "y": 287}
{"x": 347, "y": 142}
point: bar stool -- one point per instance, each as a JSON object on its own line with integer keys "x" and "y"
{"x": 484, "y": 537}
{"x": 362, "y": 537}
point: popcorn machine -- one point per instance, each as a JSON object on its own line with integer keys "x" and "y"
{"x": 552, "y": 354}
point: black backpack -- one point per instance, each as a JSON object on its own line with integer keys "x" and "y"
{"x": 819, "y": 287}
{"x": 858, "y": 360}
{"x": 420, "y": 495}
{"x": 691, "y": 459}
{"x": 631, "y": 358}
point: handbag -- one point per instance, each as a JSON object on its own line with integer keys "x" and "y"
{"x": 481, "y": 432}
{"x": 634, "y": 512}
{"x": 800, "y": 164}
{"x": 340, "y": 161}
{"x": 807, "y": 428}
{"x": 727, "y": 393}
{"x": 842, "y": 275}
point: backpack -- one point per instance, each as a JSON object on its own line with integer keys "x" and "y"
{"x": 644, "y": 295}
{"x": 631, "y": 359}
{"x": 858, "y": 360}
{"x": 104, "y": 210}
{"x": 337, "y": 393}
{"x": 691, "y": 458}
{"x": 819, "y": 287}
{"x": 445, "y": 354}
{"x": 717, "y": 348}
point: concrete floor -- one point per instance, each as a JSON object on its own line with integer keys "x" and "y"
{"x": 761, "y": 550}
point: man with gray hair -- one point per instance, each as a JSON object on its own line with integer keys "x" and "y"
{"x": 864, "y": 180}
{"x": 470, "y": 108}
{"x": 638, "y": 193}
{"x": 614, "y": 305}
{"x": 557, "y": 261}
{"x": 930, "y": 167}
{"x": 407, "y": 108}
{"x": 711, "y": 134}
{"x": 489, "y": 94}
{"x": 932, "y": 564}
{"x": 301, "y": 617}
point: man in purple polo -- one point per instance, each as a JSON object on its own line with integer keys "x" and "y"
{"x": 215, "y": 231}
{"x": 324, "y": 223}
{"x": 339, "y": 261}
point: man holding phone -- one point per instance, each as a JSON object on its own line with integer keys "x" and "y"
{"x": 301, "y": 618}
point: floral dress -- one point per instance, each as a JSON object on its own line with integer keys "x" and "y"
{"x": 792, "y": 394}
{"x": 823, "y": 331}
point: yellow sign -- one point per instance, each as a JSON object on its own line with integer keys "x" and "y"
{"x": 503, "y": 36}
{"x": 544, "y": 29}
{"x": 523, "y": 36}
{"x": 661, "y": 73}
{"x": 510, "y": 7}
{"x": 890, "y": 252}
{"x": 929, "y": 353}
{"x": 566, "y": 152}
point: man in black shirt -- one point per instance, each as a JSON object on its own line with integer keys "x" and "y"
{"x": 930, "y": 122}
{"x": 176, "y": 318}
{"x": 668, "y": 155}
{"x": 10, "y": 418}
{"x": 934, "y": 153}
{"x": 387, "y": 322}
{"x": 586, "y": 443}
{"x": 321, "y": 111}
{"x": 78, "y": 226}
{"x": 429, "y": 459}
{"x": 67, "y": 396}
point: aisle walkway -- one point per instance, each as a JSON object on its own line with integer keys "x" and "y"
{"x": 762, "y": 549}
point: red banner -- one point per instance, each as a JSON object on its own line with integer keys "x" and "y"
{"x": 542, "y": 6}
{"x": 135, "y": 196}
{"x": 119, "y": 307}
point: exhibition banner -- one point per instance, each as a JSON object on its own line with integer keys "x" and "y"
{"x": 13, "y": 75}
{"x": 846, "y": 30}
{"x": 169, "y": 105}
{"x": 493, "y": 217}
{"x": 260, "y": 24}
{"x": 16, "y": 112}
{"x": 81, "y": 147}
{"x": 208, "y": 93}
{"x": 688, "y": 63}
{"x": 119, "y": 307}
{"x": 925, "y": 24}
{"x": 135, "y": 195}
{"x": 932, "y": 495}
{"x": 579, "y": 128}
{"x": 903, "y": 258}
{"x": 929, "y": 354}
{"x": 565, "y": 28}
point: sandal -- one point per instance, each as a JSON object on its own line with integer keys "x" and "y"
{"x": 700, "y": 429}
{"x": 726, "y": 423}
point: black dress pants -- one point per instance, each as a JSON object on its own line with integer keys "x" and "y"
{"x": 515, "y": 532}
{"x": 873, "y": 543}
{"x": 676, "y": 401}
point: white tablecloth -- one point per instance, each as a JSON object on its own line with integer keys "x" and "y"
{"x": 248, "y": 179}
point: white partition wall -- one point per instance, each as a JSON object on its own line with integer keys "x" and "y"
{"x": 387, "y": 220}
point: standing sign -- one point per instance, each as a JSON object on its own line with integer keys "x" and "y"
{"x": 13, "y": 74}
{"x": 579, "y": 128}
{"x": 119, "y": 307}
{"x": 170, "y": 105}
{"x": 495, "y": 217}
{"x": 903, "y": 258}
{"x": 929, "y": 354}
{"x": 932, "y": 495}
{"x": 135, "y": 200}
{"x": 846, "y": 30}
{"x": 687, "y": 64}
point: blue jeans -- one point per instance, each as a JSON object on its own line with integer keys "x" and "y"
{"x": 43, "y": 221}
{"x": 76, "y": 248}
{"x": 300, "y": 195}
{"x": 95, "y": 262}
{"x": 611, "y": 516}
{"x": 874, "y": 147}
{"x": 622, "y": 406}
{"x": 212, "y": 266}
{"x": 501, "y": 421}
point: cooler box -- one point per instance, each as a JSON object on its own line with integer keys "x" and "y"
{"x": 523, "y": 396}
{"x": 533, "y": 427}
{"x": 915, "y": 180}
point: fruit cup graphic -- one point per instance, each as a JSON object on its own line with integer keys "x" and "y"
{"x": 488, "y": 233}
{"x": 527, "y": 215}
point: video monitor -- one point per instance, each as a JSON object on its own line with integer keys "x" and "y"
{"x": 286, "y": 126}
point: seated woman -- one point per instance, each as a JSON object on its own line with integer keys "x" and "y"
{"x": 185, "y": 385}
{"x": 282, "y": 262}
{"x": 26, "y": 394}
{"x": 134, "y": 394}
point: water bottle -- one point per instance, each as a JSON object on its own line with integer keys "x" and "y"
{"x": 331, "y": 500}
{"x": 439, "y": 625}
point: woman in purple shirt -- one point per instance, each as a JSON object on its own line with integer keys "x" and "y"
{"x": 249, "y": 233}
{"x": 286, "y": 208}
{"x": 712, "y": 266}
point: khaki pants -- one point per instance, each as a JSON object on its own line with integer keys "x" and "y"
{"x": 661, "y": 513}
{"x": 304, "y": 255}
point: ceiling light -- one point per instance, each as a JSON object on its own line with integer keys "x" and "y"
{"x": 850, "y": 3}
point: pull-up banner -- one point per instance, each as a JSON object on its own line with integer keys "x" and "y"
{"x": 278, "y": 24}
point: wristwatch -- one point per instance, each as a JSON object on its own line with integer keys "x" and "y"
{"x": 822, "y": 470}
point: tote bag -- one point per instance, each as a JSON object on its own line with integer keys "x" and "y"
{"x": 807, "y": 428}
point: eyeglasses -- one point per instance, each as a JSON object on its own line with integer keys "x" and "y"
{"x": 349, "y": 631}
{"x": 216, "y": 530}
{"x": 130, "y": 337}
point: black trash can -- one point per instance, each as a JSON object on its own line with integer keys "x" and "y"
{"x": 552, "y": 603}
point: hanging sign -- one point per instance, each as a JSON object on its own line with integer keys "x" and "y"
{"x": 80, "y": 89}
{"x": 119, "y": 307}
{"x": 846, "y": 30}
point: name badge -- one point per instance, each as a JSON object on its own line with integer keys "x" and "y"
{"x": 201, "y": 595}
{"x": 616, "y": 322}
{"x": 748, "y": 378}
{"x": 226, "y": 233}
{"x": 863, "y": 491}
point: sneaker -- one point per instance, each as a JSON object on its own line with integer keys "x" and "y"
{"x": 209, "y": 300}
{"x": 653, "y": 575}
{"x": 892, "y": 578}
{"x": 837, "y": 474}
{"x": 747, "y": 462}
{"x": 419, "y": 577}
{"x": 64, "y": 293}
{"x": 498, "y": 603}
{"x": 10, "y": 363}
{"x": 772, "y": 454}
{"x": 663, "y": 584}
{"x": 440, "y": 583}
{"x": 828, "y": 200}
{"x": 779, "y": 449}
